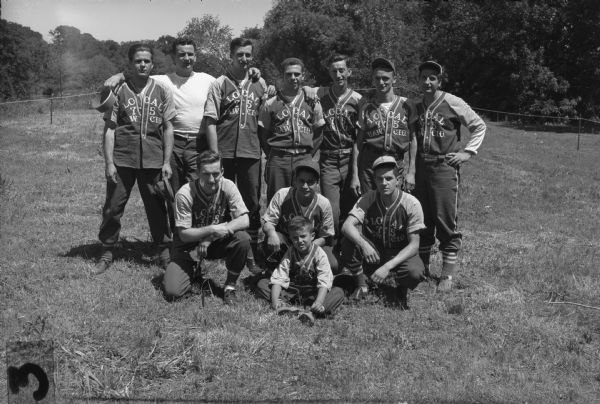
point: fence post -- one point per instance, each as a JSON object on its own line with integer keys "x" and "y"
{"x": 578, "y": 132}
{"x": 51, "y": 110}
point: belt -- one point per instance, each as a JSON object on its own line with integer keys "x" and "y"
{"x": 186, "y": 137}
{"x": 293, "y": 152}
{"x": 336, "y": 152}
{"x": 431, "y": 158}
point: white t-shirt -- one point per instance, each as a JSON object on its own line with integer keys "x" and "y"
{"x": 189, "y": 96}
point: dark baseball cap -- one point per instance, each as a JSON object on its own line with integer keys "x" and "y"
{"x": 310, "y": 165}
{"x": 385, "y": 63}
{"x": 430, "y": 64}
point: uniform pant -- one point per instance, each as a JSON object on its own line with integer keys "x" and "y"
{"x": 117, "y": 196}
{"x": 436, "y": 187}
{"x": 183, "y": 161}
{"x": 333, "y": 299}
{"x": 336, "y": 174}
{"x": 180, "y": 271}
{"x": 273, "y": 259}
{"x": 279, "y": 170}
{"x": 246, "y": 174}
{"x": 183, "y": 166}
{"x": 407, "y": 274}
{"x": 366, "y": 158}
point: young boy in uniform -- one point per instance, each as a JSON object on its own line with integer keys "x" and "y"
{"x": 338, "y": 152}
{"x": 383, "y": 125}
{"x": 138, "y": 142}
{"x": 304, "y": 274}
{"x": 301, "y": 199}
{"x": 289, "y": 127}
{"x": 231, "y": 112}
{"x": 381, "y": 234}
{"x": 436, "y": 121}
{"x": 210, "y": 216}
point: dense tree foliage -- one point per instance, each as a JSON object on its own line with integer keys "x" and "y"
{"x": 23, "y": 53}
{"x": 529, "y": 56}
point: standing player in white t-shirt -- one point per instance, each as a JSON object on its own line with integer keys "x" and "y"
{"x": 190, "y": 91}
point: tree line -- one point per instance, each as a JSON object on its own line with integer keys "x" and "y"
{"x": 526, "y": 56}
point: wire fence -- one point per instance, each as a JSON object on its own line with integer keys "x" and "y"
{"x": 46, "y": 108}
{"x": 49, "y": 108}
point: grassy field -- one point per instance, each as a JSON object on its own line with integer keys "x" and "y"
{"x": 530, "y": 217}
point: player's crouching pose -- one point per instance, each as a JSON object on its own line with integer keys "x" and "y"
{"x": 210, "y": 217}
{"x": 381, "y": 233}
{"x": 301, "y": 199}
{"x": 303, "y": 276}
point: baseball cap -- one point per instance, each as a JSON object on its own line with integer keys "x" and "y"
{"x": 385, "y": 63}
{"x": 308, "y": 165}
{"x": 383, "y": 161}
{"x": 430, "y": 64}
{"x": 107, "y": 99}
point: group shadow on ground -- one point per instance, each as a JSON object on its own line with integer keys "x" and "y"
{"x": 144, "y": 254}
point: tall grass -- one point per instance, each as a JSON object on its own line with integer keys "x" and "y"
{"x": 529, "y": 213}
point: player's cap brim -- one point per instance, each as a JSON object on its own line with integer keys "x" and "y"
{"x": 383, "y": 63}
{"x": 384, "y": 161}
{"x": 106, "y": 100}
{"x": 308, "y": 165}
{"x": 430, "y": 64}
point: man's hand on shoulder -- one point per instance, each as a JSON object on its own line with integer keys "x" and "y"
{"x": 114, "y": 81}
{"x": 254, "y": 74}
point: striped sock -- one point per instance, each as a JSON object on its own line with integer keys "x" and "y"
{"x": 448, "y": 262}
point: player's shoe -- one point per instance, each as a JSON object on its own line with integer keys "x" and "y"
{"x": 229, "y": 297}
{"x": 444, "y": 284}
{"x": 307, "y": 318}
{"x": 104, "y": 262}
{"x": 285, "y": 309}
{"x": 360, "y": 293}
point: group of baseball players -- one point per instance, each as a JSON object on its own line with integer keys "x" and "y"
{"x": 358, "y": 187}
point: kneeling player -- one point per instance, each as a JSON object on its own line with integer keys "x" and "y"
{"x": 210, "y": 217}
{"x": 381, "y": 234}
{"x": 301, "y": 199}
{"x": 303, "y": 276}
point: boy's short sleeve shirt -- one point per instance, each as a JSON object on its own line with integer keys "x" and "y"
{"x": 315, "y": 271}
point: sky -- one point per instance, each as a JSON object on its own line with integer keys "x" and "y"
{"x": 128, "y": 20}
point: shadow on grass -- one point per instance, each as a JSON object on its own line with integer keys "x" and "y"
{"x": 137, "y": 251}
